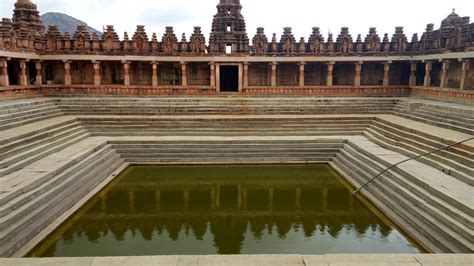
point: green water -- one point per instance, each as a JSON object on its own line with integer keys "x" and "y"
{"x": 248, "y": 209}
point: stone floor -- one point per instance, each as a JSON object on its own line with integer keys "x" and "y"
{"x": 336, "y": 259}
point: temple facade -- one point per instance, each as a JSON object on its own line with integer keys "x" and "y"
{"x": 35, "y": 59}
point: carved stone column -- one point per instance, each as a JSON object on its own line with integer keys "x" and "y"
{"x": 67, "y": 73}
{"x": 329, "y": 79}
{"x": 126, "y": 73}
{"x": 4, "y": 82}
{"x": 357, "y": 77}
{"x": 444, "y": 74}
{"x": 413, "y": 74}
{"x": 97, "y": 78}
{"x": 464, "y": 73}
{"x": 274, "y": 74}
{"x": 386, "y": 73}
{"x": 302, "y": 64}
{"x": 213, "y": 74}
{"x": 154, "y": 74}
{"x": 246, "y": 74}
{"x": 39, "y": 74}
{"x": 23, "y": 75}
{"x": 428, "y": 67}
{"x": 184, "y": 74}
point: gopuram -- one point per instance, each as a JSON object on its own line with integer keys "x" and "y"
{"x": 38, "y": 60}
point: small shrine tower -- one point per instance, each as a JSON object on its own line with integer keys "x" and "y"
{"x": 228, "y": 35}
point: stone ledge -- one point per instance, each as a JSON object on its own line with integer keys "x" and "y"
{"x": 335, "y": 259}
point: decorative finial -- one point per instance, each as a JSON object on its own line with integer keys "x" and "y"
{"x": 454, "y": 10}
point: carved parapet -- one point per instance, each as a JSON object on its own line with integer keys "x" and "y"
{"x": 197, "y": 44}
{"x": 169, "y": 42}
{"x": 140, "y": 44}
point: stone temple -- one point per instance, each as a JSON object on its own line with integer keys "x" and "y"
{"x": 77, "y": 109}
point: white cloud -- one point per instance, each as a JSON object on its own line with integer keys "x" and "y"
{"x": 301, "y": 15}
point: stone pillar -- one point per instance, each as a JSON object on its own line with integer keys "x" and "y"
{"x": 386, "y": 73}
{"x": 413, "y": 74}
{"x": 274, "y": 74}
{"x": 39, "y": 74}
{"x": 239, "y": 197}
{"x": 67, "y": 73}
{"x": 271, "y": 193}
{"x": 330, "y": 73}
{"x": 126, "y": 73}
{"x": 184, "y": 74}
{"x": 302, "y": 64}
{"x": 4, "y": 82}
{"x": 444, "y": 74}
{"x": 97, "y": 78}
{"x": 154, "y": 74}
{"x": 298, "y": 199}
{"x": 218, "y": 197}
{"x": 325, "y": 198}
{"x": 464, "y": 73}
{"x": 428, "y": 67}
{"x": 131, "y": 200}
{"x": 23, "y": 75}
{"x": 246, "y": 74}
{"x": 158, "y": 199}
{"x": 213, "y": 74}
{"x": 186, "y": 199}
{"x": 357, "y": 77}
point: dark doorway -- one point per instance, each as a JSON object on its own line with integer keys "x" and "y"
{"x": 229, "y": 78}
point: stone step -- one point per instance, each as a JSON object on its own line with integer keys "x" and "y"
{"x": 30, "y": 142}
{"x": 440, "y": 124}
{"x": 459, "y": 162}
{"x": 12, "y": 113}
{"x": 217, "y": 160}
{"x": 442, "y": 164}
{"x": 414, "y": 197}
{"x": 29, "y": 121}
{"x": 232, "y": 100}
{"x": 398, "y": 208}
{"x": 26, "y": 203}
{"x": 436, "y": 182}
{"x": 461, "y": 153}
{"x": 413, "y": 207}
{"x": 228, "y": 128}
{"x": 39, "y": 114}
{"x": 9, "y": 107}
{"x": 405, "y": 182}
{"x": 221, "y": 145}
{"x": 442, "y": 119}
{"x": 28, "y": 179}
{"x": 464, "y": 110}
{"x": 454, "y": 116}
{"x": 23, "y": 160}
{"x": 29, "y": 131}
{"x": 230, "y": 134}
{"x": 40, "y": 218}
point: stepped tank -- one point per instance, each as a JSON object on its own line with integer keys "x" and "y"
{"x": 225, "y": 209}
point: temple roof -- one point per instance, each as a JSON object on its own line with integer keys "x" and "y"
{"x": 452, "y": 20}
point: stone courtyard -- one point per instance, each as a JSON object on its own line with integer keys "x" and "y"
{"x": 76, "y": 111}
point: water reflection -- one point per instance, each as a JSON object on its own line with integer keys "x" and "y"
{"x": 224, "y": 210}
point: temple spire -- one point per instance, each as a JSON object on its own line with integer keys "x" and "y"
{"x": 26, "y": 13}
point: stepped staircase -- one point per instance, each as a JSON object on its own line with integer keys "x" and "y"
{"x": 54, "y": 152}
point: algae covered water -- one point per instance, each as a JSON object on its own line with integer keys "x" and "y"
{"x": 224, "y": 209}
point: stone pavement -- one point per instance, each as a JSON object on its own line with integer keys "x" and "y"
{"x": 247, "y": 260}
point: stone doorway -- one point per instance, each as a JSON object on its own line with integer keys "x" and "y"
{"x": 229, "y": 78}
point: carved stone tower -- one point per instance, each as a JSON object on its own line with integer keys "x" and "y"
{"x": 228, "y": 35}
{"x": 26, "y": 12}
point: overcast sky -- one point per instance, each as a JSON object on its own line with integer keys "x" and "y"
{"x": 301, "y": 15}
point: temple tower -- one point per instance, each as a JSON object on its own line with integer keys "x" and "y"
{"x": 228, "y": 35}
{"x": 26, "y": 12}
